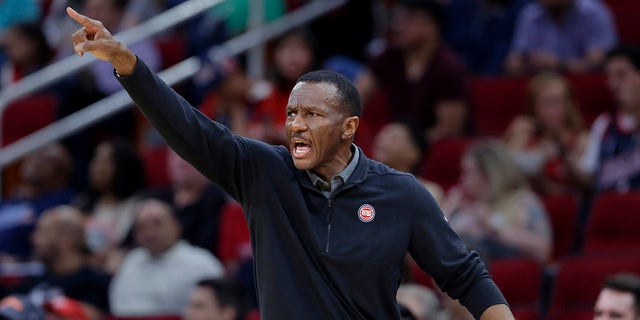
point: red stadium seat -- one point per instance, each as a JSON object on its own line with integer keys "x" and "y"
{"x": 614, "y": 223}
{"x": 160, "y": 317}
{"x": 155, "y": 167}
{"x": 563, "y": 214}
{"x": 592, "y": 95}
{"x": 626, "y": 13}
{"x": 522, "y": 292}
{"x": 252, "y": 315}
{"x": 580, "y": 279}
{"x": 495, "y": 102}
{"x": 27, "y": 115}
{"x": 442, "y": 163}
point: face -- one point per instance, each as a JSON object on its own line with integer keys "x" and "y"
{"x": 473, "y": 181}
{"x": 411, "y": 28}
{"x": 624, "y": 81}
{"x": 105, "y": 11}
{"x": 43, "y": 165}
{"x": 155, "y": 229}
{"x": 293, "y": 57}
{"x": 181, "y": 172}
{"x": 203, "y": 305}
{"x": 393, "y": 147}
{"x": 20, "y": 49}
{"x": 612, "y": 304}
{"x": 102, "y": 167}
{"x": 551, "y": 103}
{"x": 317, "y": 129}
{"x": 44, "y": 239}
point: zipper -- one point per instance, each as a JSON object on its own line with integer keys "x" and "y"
{"x": 326, "y": 249}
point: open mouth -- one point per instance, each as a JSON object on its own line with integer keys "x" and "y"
{"x": 300, "y": 149}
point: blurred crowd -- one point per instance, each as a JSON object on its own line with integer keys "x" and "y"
{"x": 110, "y": 222}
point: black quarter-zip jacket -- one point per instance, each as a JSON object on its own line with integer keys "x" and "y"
{"x": 317, "y": 258}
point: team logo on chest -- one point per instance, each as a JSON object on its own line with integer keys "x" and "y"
{"x": 366, "y": 213}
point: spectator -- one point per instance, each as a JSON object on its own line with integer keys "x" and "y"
{"x": 196, "y": 201}
{"x": 234, "y": 247}
{"x": 619, "y": 298}
{"x": 610, "y": 160}
{"x": 401, "y": 146}
{"x": 293, "y": 56}
{"x": 423, "y": 79}
{"x": 493, "y": 208}
{"x": 572, "y": 35}
{"x": 116, "y": 177}
{"x": 216, "y": 299}
{"x": 235, "y": 13}
{"x": 45, "y": 175}
{"x": 27, "y": 51}
{"x": 157, "y": 277}
{"x": 549, "y": 140}
{"x": 59, "y": 243}
{"x": 14, "y": 12}
{"x": 481, "y": 31}
{"x": 420, "y": 301}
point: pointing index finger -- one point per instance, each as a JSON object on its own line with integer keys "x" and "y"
{"x": 85, "y": 21}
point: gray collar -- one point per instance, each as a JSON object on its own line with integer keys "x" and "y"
{"x": 342, "y": 175}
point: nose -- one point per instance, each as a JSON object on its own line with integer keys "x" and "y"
{"x": 297, "y": 124}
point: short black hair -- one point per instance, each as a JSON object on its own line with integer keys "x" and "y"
{"x": 348, "y": 96}
{"x": 631, "y": 53}
{"x": 229, "y": 293}
{"x": 625, "y": 282}
{"x": 128, "y": 176}
{"x": 432, "y": 8}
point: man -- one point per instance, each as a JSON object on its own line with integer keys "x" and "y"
{"x": 45, "y": 175}
{"x": 611, "y": 161}
{"x": 59, "y": 243}
{"x": 216, "y": 299}
{"x": 329, "y": 227}
{"x": 572, "y": 35}
{"x": 157, "y": 277}
{"x": 420, "y": 301}
{"x": 423, "y": 79}
{"x": 619, "y": 298}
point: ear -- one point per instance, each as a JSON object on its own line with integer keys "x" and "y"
{"x": 349, "y": 127}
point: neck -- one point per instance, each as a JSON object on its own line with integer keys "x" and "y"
{"x": 66, "y": 264}
{"x": 329, "y": 171}
{"x": 418, "y": 58}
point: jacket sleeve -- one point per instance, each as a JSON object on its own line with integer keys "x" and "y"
{"x": 440, "y": 252}
{"x": 210, "y": 147}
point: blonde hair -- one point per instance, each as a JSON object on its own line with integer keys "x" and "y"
{"x": 573, "y": 119}
{"x": 497, "y": 166}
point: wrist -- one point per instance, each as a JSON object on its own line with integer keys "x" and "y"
{"x": 124, "y": 63}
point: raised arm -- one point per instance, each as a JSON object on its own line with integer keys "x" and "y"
{"x": 209, "y": 146}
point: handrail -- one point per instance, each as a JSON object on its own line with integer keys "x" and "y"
{"x": 60, "y": 69}
{"x": 181, "y": 71}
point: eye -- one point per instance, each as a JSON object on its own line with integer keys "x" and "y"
{"x": 312, "y": 114}
{"x": 291, "y": 114}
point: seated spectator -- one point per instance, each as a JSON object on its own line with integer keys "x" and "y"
{"x": 59, "y": 243}
{"x": 420, "y": 302}
{"x": 227, "y": 102}
{"x": 548, "y": 141}
{"x": 116, "y": 177}
{"x": 27, "y": 51}
{"x": 14, "y": 12}
{"x": 157, "y": 277}
{"x": 293, "y": 56}
{"x": 235, "y": 13}
{"x": 493, "y": 209}
{"x": 196, "y": 201}
{"x": 423, "y": 79}
{"x": 481, "y": 31}
{"x": 619, "y": 298}
{"x": 571, "y": 35}
{"x": 611, "y": 158}
{"x": 216, "y": 299}
{"x": 401, "y": 146}
{"x": 45, "y": 175}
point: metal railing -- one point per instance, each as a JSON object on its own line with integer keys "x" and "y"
{"x": 181, "y": 71}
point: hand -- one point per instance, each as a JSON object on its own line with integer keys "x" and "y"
{"x": 93, "y": 37}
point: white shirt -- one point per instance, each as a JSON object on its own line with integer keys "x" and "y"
{"x": 148, "y": 286}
